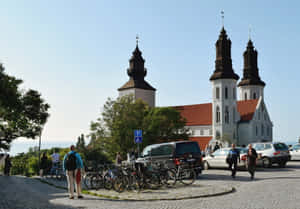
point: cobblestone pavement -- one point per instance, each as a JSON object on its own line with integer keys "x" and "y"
{"x": 274, "y": 188}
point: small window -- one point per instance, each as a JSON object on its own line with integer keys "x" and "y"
{"x": 262, "y": 130}
{"x": 226, "y": 115}
{"x": 218, "y": 115}
{"x": 218, "y": 93}
{"x": 233, "y": 115}
{"x": 233, "y": 93}
{"x": 245, "y": 96}
{"x": 254, "y": 95}
{"x": 201, "y": 132}
{"x": 268, "y": 131}
{"x": 210, "y": 131}
{"x": 226, "y": 93}
{"x": 256, "y": 130}
{"x": 258, "y": 115}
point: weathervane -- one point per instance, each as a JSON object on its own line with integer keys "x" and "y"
{"x": 222, "y": 15}
{"x": 137, "y": 39}
{"x": 249, "y": 32}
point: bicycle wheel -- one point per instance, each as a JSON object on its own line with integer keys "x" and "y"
{"x": 169, "y": 177}
{"x": 87, "y": 180}
{"x": 97, "y": 181}
{"x": 120, "y": 183}
{"x": 108, "y": 181}
{"x": 187, "y": 176}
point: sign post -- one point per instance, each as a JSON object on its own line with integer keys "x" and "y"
{"x": 138, "y": 138}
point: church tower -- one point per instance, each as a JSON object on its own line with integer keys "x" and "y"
{"x": 137, "y": 86}
{"x": 225, "y": 115}
{"x": 251, "y": 86}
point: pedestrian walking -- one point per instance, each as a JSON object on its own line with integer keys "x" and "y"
{"x": 73, "y": 166}
{"x": 55, "y": 163}
{"x": 232, "y": 159}
{"x": 251, "y": 160}
{"x": 7, "y": 166}
{"x": 43, "y": 165}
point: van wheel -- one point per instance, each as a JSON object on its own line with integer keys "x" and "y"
{"x": 206, "y": 165}
{"x": 266, "y": 162}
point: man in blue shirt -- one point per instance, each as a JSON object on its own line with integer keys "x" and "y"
{"x": 232, "y": 159}
{"x": 72, "y": 165}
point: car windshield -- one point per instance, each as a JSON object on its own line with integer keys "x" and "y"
{"x": 280, "y": 147}
{"x": 221, "y": 152}
{"x": 192, "y": 147}
{"x": 259, "y": 147}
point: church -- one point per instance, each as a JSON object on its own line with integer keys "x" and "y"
{"x": 226, "y": 118}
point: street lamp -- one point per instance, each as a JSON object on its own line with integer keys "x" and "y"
{"x": 40, "y": 139}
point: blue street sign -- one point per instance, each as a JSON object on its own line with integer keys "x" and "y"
{"x": 138, "y": 136}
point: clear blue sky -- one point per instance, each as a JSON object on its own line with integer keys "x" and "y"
{"x": 76, "y": 54}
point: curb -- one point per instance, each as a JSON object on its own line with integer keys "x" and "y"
{"x": 231, "y": 190}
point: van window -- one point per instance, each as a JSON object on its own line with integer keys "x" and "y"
{"x": 162, "y": 150}
{"x": 182, "y": 148}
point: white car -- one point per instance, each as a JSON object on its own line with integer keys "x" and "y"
{"x": 218, "y": 158}
{"x": 295, "y": 152}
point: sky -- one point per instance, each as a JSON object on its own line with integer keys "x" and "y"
{"x": 75, "y": 53}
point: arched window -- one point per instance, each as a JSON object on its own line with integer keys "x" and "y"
{"x": 233, "y": 114}
{"x": 226, "y": 93}
{"x": 218, "y": 93}
{"x": 245, "y": 96}
{"x": 218, "y": 114}
{"x": 256, "y": 130}
{"x": 254, "y": 95}
{"x": 226, "y": 115}
{"x": 233, "y": 93}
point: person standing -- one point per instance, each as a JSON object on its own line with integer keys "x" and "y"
{"x": 251, "y": 160}
{"x": 216, "y": 146}
{"x": 7, "y": 166}
{"x": 55, "y": 163}
{"x": 232, "y": 159}
{"x": 118, "y": 159}
{"x": 43, "y": 165}
{"x": 73, "y": 165}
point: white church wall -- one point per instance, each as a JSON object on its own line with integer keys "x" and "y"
{"x": 223, "y": 128}
{"x": 147, "y": 96}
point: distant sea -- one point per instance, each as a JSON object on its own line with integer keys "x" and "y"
{"x": 19, "y": 146}
{"x": 23, "y": 145}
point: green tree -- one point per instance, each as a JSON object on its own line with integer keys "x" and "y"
{"x": 22, "y": 113}
{"x": 115, "y": 129}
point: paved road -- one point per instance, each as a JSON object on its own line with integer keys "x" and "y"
{"x": 273, "y": 189}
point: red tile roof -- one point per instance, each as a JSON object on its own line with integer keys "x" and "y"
{"x": 246, "y": 108}
{"x": 202, "y": 141}
{"x": 199, "y": 114}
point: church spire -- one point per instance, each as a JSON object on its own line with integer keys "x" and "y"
{"x": 250, "y": 74}
{"x": 137, "y": 71}
{"x": 223, "y": 63}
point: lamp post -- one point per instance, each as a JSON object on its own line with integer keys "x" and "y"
{"x": 39, "y": 152}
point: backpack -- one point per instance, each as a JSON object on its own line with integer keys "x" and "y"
{"x": 71, "y": 162}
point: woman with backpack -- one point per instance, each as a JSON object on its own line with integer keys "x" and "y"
{"x": 72, "y": 164}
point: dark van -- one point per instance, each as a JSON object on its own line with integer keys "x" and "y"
{"x": 169, "y": 152}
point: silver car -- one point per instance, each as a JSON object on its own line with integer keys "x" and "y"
{"x": 295, "y": 152}
{"x": 218, "y": 158}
